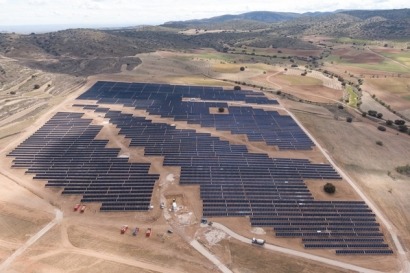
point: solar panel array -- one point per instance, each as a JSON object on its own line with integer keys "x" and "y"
{"x": 271, "y": 191}
{"x": 233, "y": 181}
{"x": 193, "y": 104}
{"x": 65, "y": 153}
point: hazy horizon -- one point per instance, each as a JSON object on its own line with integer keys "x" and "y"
{"x": 53, "y": 15}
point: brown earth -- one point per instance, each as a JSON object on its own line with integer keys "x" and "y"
{"x": 91, "y": 241}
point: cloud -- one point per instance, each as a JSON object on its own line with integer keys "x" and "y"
{"x": 128, "y": 12}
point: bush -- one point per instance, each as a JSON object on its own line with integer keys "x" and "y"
{"x": 36, "y": 86}
{"x": 242, "y": 68}
{"x": 379, "y": 115}
{"x": 380, "y": 143}
{"x": 237, "y": 87}
{"x": 372, "y": 113}
{"x": 278, "y": 92}
{"x": 364, "y": 114}
{"x": 329, "y": 188}
{"x": 381, "y": 128}
{"x": 349, "y": 119}
{"x": 389, "y": 122}
{"x": 340, "y": 106}
{"x": 221, "y": 109}
{"x": 399, "y": 122}
{"x": 404, "y": 170}
{"x": 403, "y": 128}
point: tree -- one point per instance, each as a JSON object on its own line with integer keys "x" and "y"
{"x": 349, "y": 119}
{"x": 403, "y": 128}
{"x": 237, "y": 87}
{"x": 399, "y": 122}
{"x": 36, "y": 86}
{"x": 221, "y": 109}
{"x": 329, "y": 188}
{"x": 389, "y": 122}
{"x": 242, "y": 68}
{"x": 381, "y": 128}
{"x": 379, "y": 115}
{"x": 364, "y": 114}
{"x": 372, "y": 113}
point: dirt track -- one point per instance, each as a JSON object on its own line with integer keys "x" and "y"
{"x": 99, "y": 232}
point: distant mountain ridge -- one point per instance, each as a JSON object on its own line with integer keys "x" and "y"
{"x": 274, "y": 17}
{"x": 368, "y": 24}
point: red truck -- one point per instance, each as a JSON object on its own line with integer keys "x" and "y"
{"x": 148, "y": 232}
{"x": 124, "y": 229}
{"x": 82, "y": 209}
{"x": 76, "y": 207}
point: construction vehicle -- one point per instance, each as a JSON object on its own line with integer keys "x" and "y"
{"x": 82, "y": 209}
{"x": 260, "y": 242}
{"x": 124, "y": 229}
{"x": 77, "y": 206}
{"x": 135, "y": 232}
{"x": 148, "y": 232}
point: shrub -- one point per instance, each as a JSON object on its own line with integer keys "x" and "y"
{"x": 403, "y": 128}
{"x": 389, "y": 122}
{"x": 364, "y": 114}
{"x": 221, "y": 109}
{"x": 372, "y": 113}
{"x": 381, "y": 128}
{"x": 404, "y": 170}
{"x": 380, "y": 143}
{"x": 237, "y": 87}
{"x": 242, "y": 68}
{"x": 379, "y": 115}
{"x": 349, "y": 119}
{"x": 36, "y": 86}
{"x": 329, "y": 188}
{"x": 340, "y": 106}
{"x": 278, "y": 92}
{"x": 399, "y": 122}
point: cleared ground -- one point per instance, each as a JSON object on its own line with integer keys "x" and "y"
{"x": 92, "y": 242}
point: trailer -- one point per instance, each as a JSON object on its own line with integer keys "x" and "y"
{"x": 260, "y": 242}
{"x": 148, "y": 232}
{"x": 77, "y": 206}
{"x": 82, "y": 209}
{"x": 135, "y": 232}
{"x": 124, "y": 229}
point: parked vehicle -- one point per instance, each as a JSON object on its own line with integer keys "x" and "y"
{"x": 148, "y": 232}
{"x": 135, "y": 232}
{"x": 82, "y": 209}
{"x": 260, "y": 242}
{"x": 124, "y": 229}
{"x": 77, "y": 206}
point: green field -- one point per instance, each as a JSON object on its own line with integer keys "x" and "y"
{"x": 402, "y": 57}
{"x": 347, "y": 40}
{"x": 353, "y": 98}
{"x": 386, "y": 65}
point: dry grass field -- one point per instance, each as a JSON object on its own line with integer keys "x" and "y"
{"x": 91, "y": 242}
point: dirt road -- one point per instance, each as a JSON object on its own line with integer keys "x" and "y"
{"x": 4, "y": 266}
{"x": 295, "y": 252}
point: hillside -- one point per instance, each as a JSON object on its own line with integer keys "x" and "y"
{"x": 367, "y": 24}
{"x": 249, "y": 20}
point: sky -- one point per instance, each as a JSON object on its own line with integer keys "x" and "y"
{"x": 108, "y": 13}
